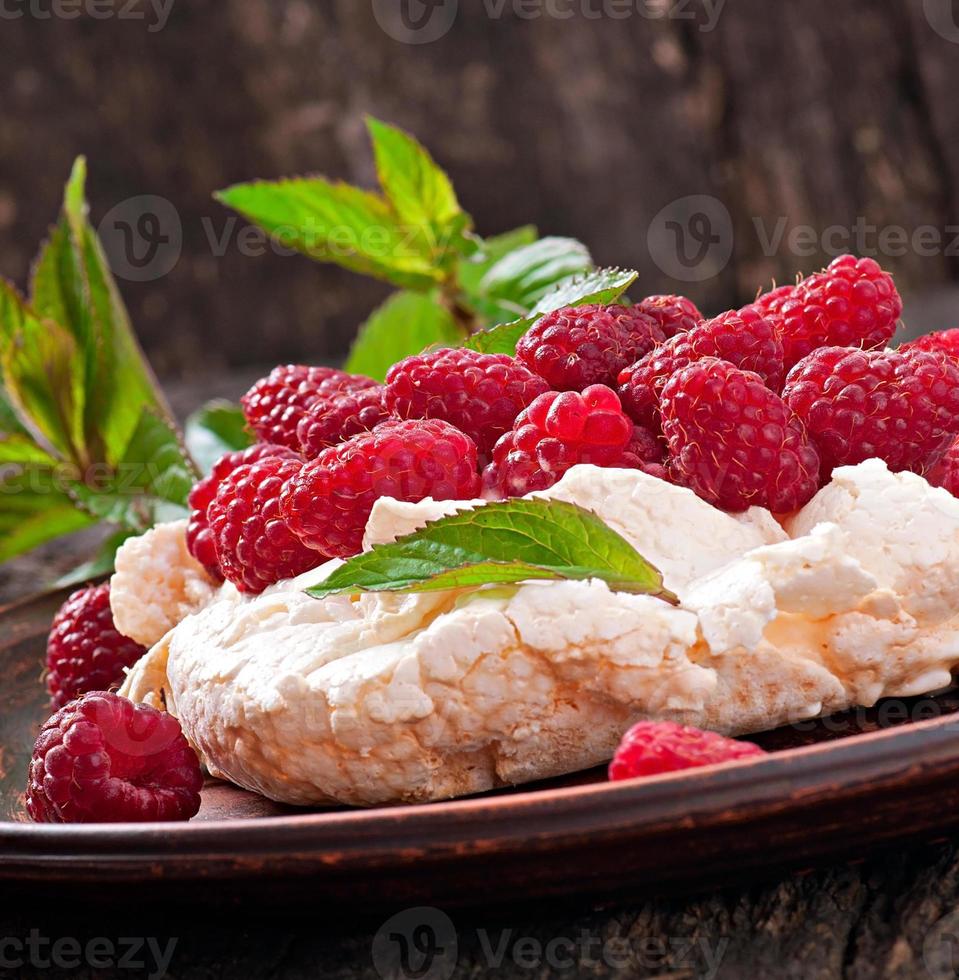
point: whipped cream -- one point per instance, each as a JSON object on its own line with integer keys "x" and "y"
{"x": 390, "y": 698}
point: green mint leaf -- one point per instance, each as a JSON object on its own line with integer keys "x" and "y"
{"x": 525, "y": 275}
{"x": 334, "y": 222}
{"x": 100, "y": 565}
{"x": 72, "y": 285}
{"x": 472, "y": 269}
{"x": 418, "y": 189}
{"x": 214, "y": 429}
{"x": 407, "y": 323}
{"x": 34, "y": 509}
{"x": 42, "y": 375}
{"x": 153, "y": 471}
{"x": 600, "y": 286}
{"x": 502, "y": 542}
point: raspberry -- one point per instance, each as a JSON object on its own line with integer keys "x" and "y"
{"x": 772, "y": 301}
{"x": 559, "y": 430}
{"x": 85, "y": 651}
{"x": 654, "y": 747}
{"x": 481, "y": 394}
{"x": 580, "y": 346}
{"x": 744, "y": 338}
{"x": 199, "y": 538}
{"x": 327, "y": 504}
{"x": 853, "y": 303}
{"x": 275, "y": 404}
{"x": 104, "y": 759}
{"x": 332, "y": 420}
{"x": 673, "y": 314}
{"x": 254, "y": 544}
{"x": 945, "y": 473}
{"x": 899, "y": 407}
{"x": 734, "y": 442}
{"x": 946, "y": 341}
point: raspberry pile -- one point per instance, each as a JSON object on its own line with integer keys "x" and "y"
{"x": 651, "y": 748}
{"x": 85, "y": 651}
{"x": 104, "y": 759}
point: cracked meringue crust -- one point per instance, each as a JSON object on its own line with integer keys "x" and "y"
{"x": 399, "y": 698}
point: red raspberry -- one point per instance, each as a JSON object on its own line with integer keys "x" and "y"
{"x": 744, "y": 338}
{"x": 328, "y": 503}
{"x": 85, "y": 652}
{"x": 254, "y": 544}
{"x": 104, "y": 759}
{"x": 673, "y": 314}
{"x": 772, "y": 301}
{"x": 853, "y": 303}
{"x": 559, "y": 430}
{"x": 580, "y": 346}
{"x": 481, "y": 394}
{"x": 199, "y": 538}
{"x": 735, "y": 442}
{"x": 946, "y": 341}
{"x": 654, "y": 747}
{"x": 899, "y": 407}
{"x": 332, "y": 420}
{"x": 945, "y": 473}
{"x": 275, "y": 404}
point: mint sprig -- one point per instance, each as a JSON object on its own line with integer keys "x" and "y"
{"x": 499, "y": 543}
{"x": 85, "y": 432}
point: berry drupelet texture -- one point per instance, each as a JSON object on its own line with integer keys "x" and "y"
{"x": 335, "y": 419}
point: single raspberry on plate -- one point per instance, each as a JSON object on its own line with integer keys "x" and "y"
{"x": 104, "y": 759}
{"x": 946, "y": 341}
{"x": 852, "y": 303}
{"x": 945, "y": 473}
{"x": 744, "y": 338}
{"x": 558, "y": 431}
{"x": 673, "y": 314}
{"x": 898, "y": 406}
{"x": 481, "y": 394}
{"x": 650, "y": 748}
{"x": 328, "y": 503}
{"x": 85, "y": 651}
{"x": 254, "y": 544}
{"x": 734, "y": 442}
{"x": 580, "y": 346}
{"x": 336, "y": 418}
{"x": 275, "y": 404}
{"x": 199, "y": 537}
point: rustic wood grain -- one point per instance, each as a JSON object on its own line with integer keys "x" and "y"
{"x": 587, "y": 126}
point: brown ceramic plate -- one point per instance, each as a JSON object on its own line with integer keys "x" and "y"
{"x": 829, "y": 788}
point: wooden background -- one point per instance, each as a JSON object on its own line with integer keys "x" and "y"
{"x": 786, "y": 114}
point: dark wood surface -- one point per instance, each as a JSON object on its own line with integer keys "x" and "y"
{"x": 587, "y": 126}
{"x": 891, "y": 912}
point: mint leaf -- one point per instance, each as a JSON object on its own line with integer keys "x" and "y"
{"x": 72, "y": 286}
{"x": 334, "y": 222}
{"x": 521, "y": 278}
{"x": 214, "y": 429}
{"x": 34, "y": 509}
{"x": 42, "y": 375}
{"x": 502, "y": 542}
{"x": 100, "y": 565}
{"x": 407, "y": 323}
{"x": 600, "y": 286}
{"x": 418, "y": 189}
{"x": 473, "y": 268}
